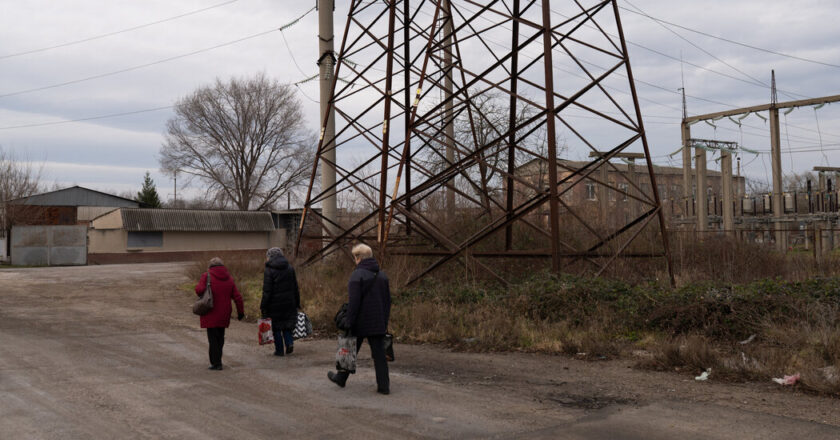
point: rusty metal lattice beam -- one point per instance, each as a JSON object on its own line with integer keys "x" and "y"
{"x": 499, "y": 72}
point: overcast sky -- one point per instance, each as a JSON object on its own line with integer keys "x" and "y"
{"x": 112, "y": 154}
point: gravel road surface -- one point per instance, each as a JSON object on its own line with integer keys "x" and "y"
{"x": 112, "y": 352}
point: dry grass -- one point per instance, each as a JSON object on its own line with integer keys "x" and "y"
{"x": 727, "y": 291}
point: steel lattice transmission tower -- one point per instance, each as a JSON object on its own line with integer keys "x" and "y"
{"x": 454, "y": 119}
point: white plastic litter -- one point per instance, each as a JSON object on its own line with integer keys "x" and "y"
{"x": 787, "y": 380}
{"x": 705, "y": 375}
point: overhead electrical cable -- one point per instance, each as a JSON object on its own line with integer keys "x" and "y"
{"x": 92, "y": 118}
{"x": 129, "y": 69}
{"x": 109, "y": 34}
{"x": 754, "y": 79}
{"x": 660, "y": 53}
{"x": 808, "y": 60}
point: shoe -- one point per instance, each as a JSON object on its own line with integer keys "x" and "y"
{"x": 215, "y": 367}
{"x": 278, "y": 353}
{"x": 334, "y": 379}
{"x": 381, "y": 391}
{"x": 290, "y": 349}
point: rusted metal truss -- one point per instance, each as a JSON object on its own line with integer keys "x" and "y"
{"x": 452, "y": 117}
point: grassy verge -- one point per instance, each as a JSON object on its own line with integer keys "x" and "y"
{"x": 691, "y": 328}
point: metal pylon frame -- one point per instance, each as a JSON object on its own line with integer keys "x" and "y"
{"x": 524, "y": 81}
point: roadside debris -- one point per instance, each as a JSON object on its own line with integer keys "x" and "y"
{"x": 787, "y": 380}
{"x": 704, "y": 376}
{"x": 748, "y": 340}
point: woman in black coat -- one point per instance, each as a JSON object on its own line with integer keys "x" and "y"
{"x": 368, "y": 311}
{"x": 280, "y": 299}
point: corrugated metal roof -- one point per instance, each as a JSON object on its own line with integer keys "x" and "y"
{"x": 186, "y": 220}
{"x": 77, "y": 196}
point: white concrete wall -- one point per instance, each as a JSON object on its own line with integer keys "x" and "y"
{"x": 112, "y": 220}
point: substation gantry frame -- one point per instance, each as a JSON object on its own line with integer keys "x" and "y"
{"x": 437, "y": 178}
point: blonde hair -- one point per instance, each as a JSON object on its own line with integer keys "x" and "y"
{"x": 362, "y": 251}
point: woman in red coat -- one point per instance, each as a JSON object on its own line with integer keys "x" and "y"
{"x": 218, "y": 319}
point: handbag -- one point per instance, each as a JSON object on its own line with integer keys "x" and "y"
{"x": 345, "y": 355}
{"x": 204, "y": 305}
{"x": 341, "y": 318}
{"x": 389, "y": 347}
{"x": 303, "y": 327}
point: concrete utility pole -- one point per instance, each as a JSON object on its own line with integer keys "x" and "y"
{"x": 776, "y": 165}
{"x": 449, "y": 132}
{"x": 726, "y": 188}
{"x": 685, "y": 131}
{"x": 825, "y": 186}
{"x": 700, "y": 198}
{"x": 326, "y": 62}
{"x": 725, "y": 149}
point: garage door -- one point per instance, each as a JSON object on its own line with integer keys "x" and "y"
{"x": 49, "y": 245}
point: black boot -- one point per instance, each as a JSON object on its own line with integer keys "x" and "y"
{"x": 335, "y": 379}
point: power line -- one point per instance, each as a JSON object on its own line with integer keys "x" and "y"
{"x": 109, "y": 34}
{"x": 129, "y": 69}
{"x": 662, "y": 54}
{"x": 754, "y": 79}
{"x": 732, "y": 41}
{"x": 112, "y": 115}
{"x": 134, "y": 112}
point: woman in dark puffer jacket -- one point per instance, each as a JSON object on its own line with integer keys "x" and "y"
{"x": 280, "y": 299}
{"x": 368, "y": 311}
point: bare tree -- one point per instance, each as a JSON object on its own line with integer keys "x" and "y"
{"x": 798, "y": 182}
{"x": 18, "y": 179}
{"x": 756, "y": 187}
{"x": 245, "y": 139}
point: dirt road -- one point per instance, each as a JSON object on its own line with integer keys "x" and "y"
{"x": 107, "y": 352}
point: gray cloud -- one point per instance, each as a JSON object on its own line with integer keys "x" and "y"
{"x": 804, "y": 28}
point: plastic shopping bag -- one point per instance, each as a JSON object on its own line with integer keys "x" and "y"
{"x": 303, "y": 327}
{"x": 266, "y": 335}
{"x": 389, "y": 347}
{"x": 345, "y": 356}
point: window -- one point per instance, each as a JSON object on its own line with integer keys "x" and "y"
{"x": 612, "y": 191}
{"x": 145, "y": 239}
{"x": 662, "y": 194}
{"x": 590, "y": 191}
{"x": 624, "y": 188}
{"x": 645, "y": 187}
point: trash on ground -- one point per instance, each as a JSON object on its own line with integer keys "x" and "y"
{"x": 748, "y": 340}
{"x": 787, "y": 380}
{"x": 705, "y": 375}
